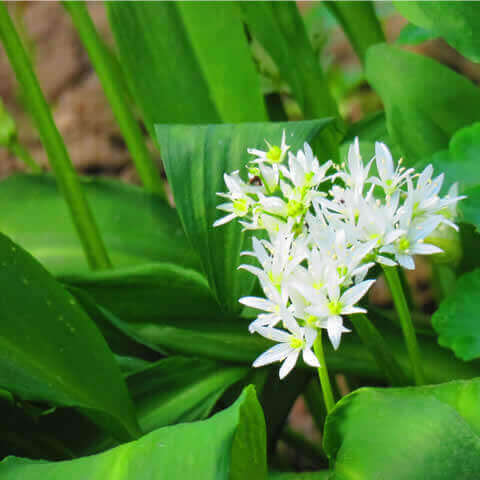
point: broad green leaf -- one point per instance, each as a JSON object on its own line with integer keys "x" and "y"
{"x": 456, "y": 318}
{"x": 459, "y": 161}
{"x": 187, "y": 62}
{"x": 196, "y": 158}
{"x": 424, "y": 432}
{"x": 146, "y": 292}
{"x": 425, "y": 102}
{"x": 180, "y": 389}
{"x": 228, "y": 446}
{"x": 279, "y": 28}
{"x": 413, "y": 35}
{"x": 457, "y": 22}
{"x": 470, "y": 207}
{"x": 50, "y": 349}
{"x": 360, "y": 23}
{"x": 123, "y": 346}
{"x": 230, "y": 341}
{"x": 322, "y": 475}
{"x": 136, "y": 227}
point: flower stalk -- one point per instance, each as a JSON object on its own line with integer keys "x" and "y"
{"x": 323, "y": 374}
{"x": 401, "y": 306}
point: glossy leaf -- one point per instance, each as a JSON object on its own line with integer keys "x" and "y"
{"x": 279, "y": 28}
{"x": 187, "y": 62}
{"x": 147, "y": 292}
{"x": 360, "y": 23}
{"x": 322, "y": 475}
{"x": 425, "y": 102}
{"x": 180, "y": 389}
{"x": 457, "y": 22}
{"x": 425, "y": 432}
{"x": 230, "y": 341}
{"x": 414, "y": 35}
{"x": 196, "y": 158}
{"x": 456, "y": 318}
{"x": 470, "y": 207}
{"x": 51, "y": 350}
{"x": 230, "y": 445}
{"x": 137, "y": 227}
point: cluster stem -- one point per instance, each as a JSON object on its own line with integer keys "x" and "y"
{"x": 403, "y": 311}
{"x": 323, "y": 373}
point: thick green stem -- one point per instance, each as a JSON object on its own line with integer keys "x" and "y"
{"x": 401, "y": 305}
{"x": 111, "y": 78}
{"x": 22, "y": 153}
{"x": 379, "y": 349}
{"x": 57, "y": 153}
{"x": 323, "y": 373}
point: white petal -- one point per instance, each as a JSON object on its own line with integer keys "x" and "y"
{"x": 406, "y": 261}
{"x": 274, "y": 354}
{"x": 351, "y": 310}
{"x": 275, "y": 334}
{"x": 354, "y": 294}
{"x": 385, "y": 261}
{"x": 425, "y": 249}
{"x": 257, "y": 303}
{"x": 309, "y": 358}
{"x": 288, "y": 364}
{"x": 223, "y": 220}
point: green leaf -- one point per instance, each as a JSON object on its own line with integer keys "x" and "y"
{"x": 323, "y": 475}
{"x": 425, "y": 432}
{"x": 413, "y": 35}
{"x": 196, "y": 158}
{"x": 137, "y": 227}
{"x": 230, "y": 341}
{"x": 187, "y": 62}
{"x": 146, "y": 292}
{"x": 180, "y": 389}
{"x": 455, "y": 321}
{"x": 457, "y": 22}
{"x": 470, "y": 207}
{"x": 425, "y": 102}
{"x": 279, "y": 28}
{"x": 230, "y": 445}
{"x": 50, "y": 349}
{"x": 360, "y": 23}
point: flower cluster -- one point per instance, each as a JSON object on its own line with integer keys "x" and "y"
{"x": 326, "y": 227}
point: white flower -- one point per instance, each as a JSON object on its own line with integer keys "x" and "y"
{"x": 289, "y": 347}
{"x": 240, "y": 201}
{"x": 328, "y": 308}
{"x": 390, "y": 178}
{"x": 304, "y": 169}
{"x": 357, "y": 173}
{"x": 274, "y": 155}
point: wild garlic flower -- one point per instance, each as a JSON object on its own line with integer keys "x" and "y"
{"x": 320, "y": 245}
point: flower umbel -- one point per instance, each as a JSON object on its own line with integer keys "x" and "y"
{"x": 321, "y": 245}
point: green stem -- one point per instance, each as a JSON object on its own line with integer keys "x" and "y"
{"x": 323, "y": 373}
{"x": 401, "y": 305}
{"x": 57, "y": 153}
{"x": 22, "y": 153}
{"x": 379, "y": 349}
{"x": 314, "y": 400}
{"x": 111, "y": 78}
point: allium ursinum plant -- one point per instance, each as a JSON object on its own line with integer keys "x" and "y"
{"x": 326, "y": 227}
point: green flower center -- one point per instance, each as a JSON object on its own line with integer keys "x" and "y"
{"x": 308, "y": 177}
{"x": 296, "y": 343}
{"x": 274, "y": 154}
{"x": 240, "y": 207}
{"x": 335, "y": 307}
{"x": 295, "y": 208}
{"x": 342, "y": 270}
{"x": 276, "y": 279}
{"x": 318, "y": 285}
{"x": 311, "y": 320}
{"x": 403, "y": 244}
